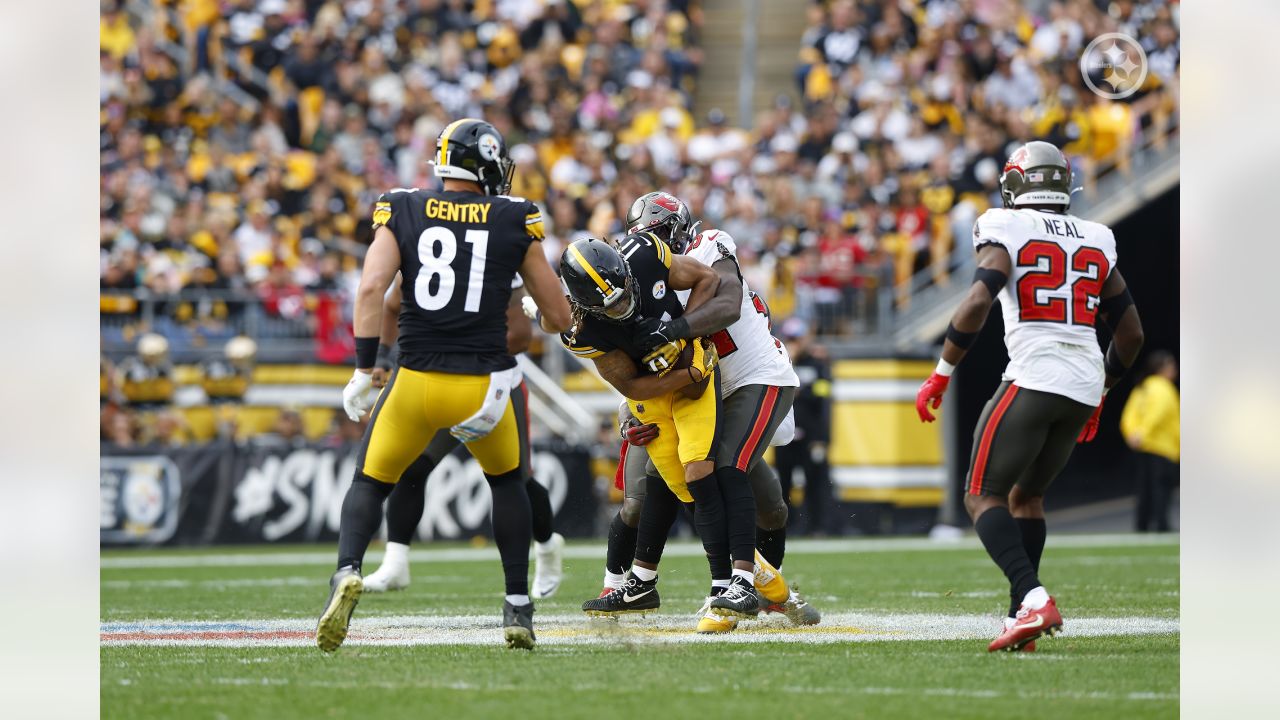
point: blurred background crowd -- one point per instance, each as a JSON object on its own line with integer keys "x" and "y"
{"x": 244, "y": 141}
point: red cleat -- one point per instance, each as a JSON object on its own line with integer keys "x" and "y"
{"x": 1030, "y": 625}
{"x": 604, "y": 592}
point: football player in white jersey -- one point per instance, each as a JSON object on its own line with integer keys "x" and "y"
{"x": 758, "y": 385}
{"x": 1054, "y": 274}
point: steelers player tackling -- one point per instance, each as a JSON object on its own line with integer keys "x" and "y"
{"x": 1054, "y": 274}
{"x": 457, "y": 250}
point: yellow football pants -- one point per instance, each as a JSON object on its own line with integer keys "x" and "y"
{"x": 687, "y": 432}
{"x": 414, "y": 406}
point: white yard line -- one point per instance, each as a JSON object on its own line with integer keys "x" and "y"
{"x": 576, "y": 629}
{"x": 595, "y": 551}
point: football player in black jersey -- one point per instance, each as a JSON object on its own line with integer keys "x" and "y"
{"x": 617, "y": 293}
{"x": 457, "y": 250}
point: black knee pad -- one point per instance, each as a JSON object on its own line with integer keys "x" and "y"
{"x": 630, "y": 511}
{"x": 506, "y": 478}
{"x": 383, "y": 488}
{"x": 772, "y": 518}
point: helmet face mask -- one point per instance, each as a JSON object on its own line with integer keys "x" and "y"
{"x": 1037, "y": 173}
{"x": 664, "y": 215}
{"x": 473, "y": 150}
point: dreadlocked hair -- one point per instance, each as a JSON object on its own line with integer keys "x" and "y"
{"x": 576, "y": 318}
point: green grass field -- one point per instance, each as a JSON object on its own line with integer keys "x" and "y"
{"x": 905, "y": 634}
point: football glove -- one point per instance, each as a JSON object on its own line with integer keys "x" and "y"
{"x": 530, "y": 308}
{"x": 356, "y": 398}
{"x": 638, "y": 433}
{"x": 491, "y": 410}
{"x": 932, "y": 389}
{"x": 705, "y": 358}
{"x": 663, "y": 357}
{"x": 1090, "y": 429}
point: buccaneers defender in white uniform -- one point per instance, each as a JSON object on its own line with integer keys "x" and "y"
{"x": 1055, "y": 274}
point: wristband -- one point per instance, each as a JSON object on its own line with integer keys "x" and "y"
{"x": 944, "y": 368}
{"x": 366, "y": 352}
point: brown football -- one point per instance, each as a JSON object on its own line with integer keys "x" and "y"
{"x": 695, "y": 390}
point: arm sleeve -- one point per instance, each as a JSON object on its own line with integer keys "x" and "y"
{"x": 533, "y": 226}
{"x": 382, "y": 211}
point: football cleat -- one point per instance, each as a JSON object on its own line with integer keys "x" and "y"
{"x": 769, "y": 581}
{"x": 344, "y": 593}
{"x": 549, "y": 567}
{"x": 739, "y": 600}
{"x": 797, "y": 610}
{"x": 388, "y": 577}
{"x": 635, "y": 596}
{"x": 710, "y": 623}
{"x": 517, "y": 626}
{"x": 1028, "y": 625}
{"x": 1029, "y": 647}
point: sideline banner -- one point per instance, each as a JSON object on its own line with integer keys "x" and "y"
{"x": 227, "y": 493}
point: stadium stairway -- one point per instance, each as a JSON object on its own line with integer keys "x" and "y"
{"x": 773, "y": 28}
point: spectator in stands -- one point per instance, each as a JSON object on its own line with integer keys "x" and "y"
{"x": 1151, "y": 426}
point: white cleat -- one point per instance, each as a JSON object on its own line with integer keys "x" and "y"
{"x": 393, "y": 573}
{"x": 549, "y": 568}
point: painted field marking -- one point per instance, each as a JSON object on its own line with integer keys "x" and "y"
{"x": 575, "y": 629}
{"x": 596, "y": 551}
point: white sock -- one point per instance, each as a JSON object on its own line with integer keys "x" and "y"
{"x": 720, "y": 583}
{"x": 644, "y": 574}
{"x": 518, "y": 600}
{"x": 396, "y": 555}
{"x": 544, "y": 548}
{"x": 746, "y": 575}
{"x": 1037, "y": 598}
{"x": 1009, "y": 622}
{"x": 615, "y": 581}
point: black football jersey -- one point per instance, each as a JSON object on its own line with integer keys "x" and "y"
{"x": 459, "y": 252}
{"x": 650, "y": 263}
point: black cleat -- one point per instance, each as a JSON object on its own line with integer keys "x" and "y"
{"x": 517, "y": 626}
{"x": 344, "y": 592}
{"x": 740, "y": 600}
{"x": 635, "y": 596}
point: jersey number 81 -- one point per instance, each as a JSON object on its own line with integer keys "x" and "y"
{"x": 437, "y": 248}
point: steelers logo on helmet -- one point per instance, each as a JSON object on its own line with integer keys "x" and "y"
{"x": 489, "y": 147}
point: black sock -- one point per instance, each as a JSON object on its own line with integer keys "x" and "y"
{"x": 512, "y": 528}
{"x": 657, "y": 515}
{"x": 999, "y": 535}
{"x": 361, "y": 516}
{"x": 406, "y": 501}
{"x": 540, "y": 507}
{"x": 1033, "y": 535}
{"x": 740, "y": 511}
{"x": 772, "y": 545}
{"x": 622, "y": 546}
{"x": 712, "y": 524}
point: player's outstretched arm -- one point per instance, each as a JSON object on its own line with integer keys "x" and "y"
{"x": 994, "y": 267}
{"x": 381, "y": 264}
{"x": 545, "y": 288}
{"x": 1121, "y": 315}
{"x": 619, "y": 370}
{"x": 717, "y": 312}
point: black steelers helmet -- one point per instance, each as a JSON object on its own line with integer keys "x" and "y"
{"x": 664, "y": 215}
{"x": 1037, "y": 173}
{"x": 471, "y": 149}
{"x": 599, "y": 280}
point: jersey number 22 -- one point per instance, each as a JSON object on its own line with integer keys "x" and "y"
{"x": 1085, "y": 291}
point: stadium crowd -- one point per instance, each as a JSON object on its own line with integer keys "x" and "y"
{"x": 244, "y": 141}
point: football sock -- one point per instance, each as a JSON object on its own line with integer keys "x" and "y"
{"x": 713, "y": 527}
{"x": 540, "y": 507}
{"x": 661, "y": 506}
{"x": 361, "y": 516}
{"x": 396, "y": 555}
{"x": 512, "y": 528}
{"x": 772, "y": 545}
{"x": 622, "y": 546}
{"x": 405, "y": 504}
{"x": 614, "y": 580}
{"x": 719, "y": 584}
{"x": 1033, "y": 537}
{"x": 745, "y": 575}
{"x": 999, "y": 535}
{"x": 740, "y": 512}
{"x": 518, "y": 600}
{"x": 644, "y": 574}
{"x": 1037, "y": 598}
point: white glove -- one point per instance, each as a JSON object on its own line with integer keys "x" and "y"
{"x": 530, "y": 308}
{"x": 355, "y": 396}
{"x": 491, "y": 411}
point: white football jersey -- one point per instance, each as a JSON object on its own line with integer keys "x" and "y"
{"x": 749, "y": 355}
{"x": 1050, "y": 303}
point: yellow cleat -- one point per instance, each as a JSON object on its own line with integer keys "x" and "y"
{"x": 711, "y": 624}
{"x": 344, "y": 593}
{"x": 769, "y": 582}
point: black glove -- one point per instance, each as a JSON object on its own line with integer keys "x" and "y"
{"x": 654, "y": 333}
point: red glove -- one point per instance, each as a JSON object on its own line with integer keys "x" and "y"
{"x": 932, "y": 389}
{"x": 1090, "y": 429}
{"x": 638, "y": 434}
